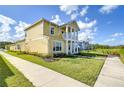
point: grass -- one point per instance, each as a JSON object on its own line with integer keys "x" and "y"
{"x": 85, "y": 70}
{"x": 118, "y": 52}
{"x": 10, "y": 76}
{"x": 91, "y": 53}
{"x": 107, "y": 51}
{"x": 103, "y": 52}
{"x": 122, "y": 55}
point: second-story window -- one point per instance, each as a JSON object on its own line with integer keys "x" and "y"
{"x": 51, "y": 30}
{"x": 25, "y": 34}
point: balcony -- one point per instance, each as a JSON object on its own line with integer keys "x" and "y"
{"x": 70, "y": 36}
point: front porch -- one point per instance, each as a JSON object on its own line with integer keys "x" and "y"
{"x": 71, "y": 47}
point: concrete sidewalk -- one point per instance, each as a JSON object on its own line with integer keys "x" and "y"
{"x": 41, "y": 76}
{"x": 112, "y": 74}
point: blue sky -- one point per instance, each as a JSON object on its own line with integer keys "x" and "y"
{"x": 101, "y": 24}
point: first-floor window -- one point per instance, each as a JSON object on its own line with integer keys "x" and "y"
{"x": 57, "y": 46}
{"x": 18, "y": 47}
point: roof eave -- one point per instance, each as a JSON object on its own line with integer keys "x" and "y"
{"x": 70, "y": 23}
{"x": 39, "y": 22}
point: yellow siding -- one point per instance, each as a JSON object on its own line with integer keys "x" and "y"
{"x": 44, "y": 46}
{"x": 38, "y": 46}
{"x": 46, "y": 31}
{"x": 12, "y": 48}
{"x": 57, "y": 36}
{"x": 34, "y": 32}
{"x": 22, "y": 46}
{"x": 37, "y": 42}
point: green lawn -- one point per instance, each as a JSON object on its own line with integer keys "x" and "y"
{"x": 85, "y": 70}
{"x": 122, "y": 55}
{"x": 92, "y": 53}
{"x": 119, "y": 52}
{"x": 10, "y": 76}
{"x": 102, "y": 52}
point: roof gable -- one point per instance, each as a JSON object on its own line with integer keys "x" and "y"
{"x": 71, "y": 22}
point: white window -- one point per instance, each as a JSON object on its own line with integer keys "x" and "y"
{"x": 18, "y": 47}
{"x": 57, "y": 46}
{"x": 52, "y": 30}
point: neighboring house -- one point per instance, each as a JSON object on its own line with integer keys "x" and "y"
{"x": 47, "y": 38}
{"x": 84, "y": 45}
{"x": 18, "y": 46}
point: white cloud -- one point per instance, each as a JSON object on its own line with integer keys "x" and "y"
{"x": 84, "y": 11}
{"x": 68, "y": 9}
{"x": 6, "y": 20}
{"x": 106, "y": 9}
{"x": 88, "y": 30}
{"x": 20, "y": 33}
{"x": 89, "y": 25}
{"x": 6, "y": 37}
{"x": 95, "y": 29}
{"x": 113, "y": 42}
{"x": 117, "y": 34}
{"x": 114, "y": 38}
{"x": 87, "y": 19}
{"x": 5, "y": 27}
{"x": 71, "y": 10}
{"x": 109, "y": 40}
{"x": 87, "y": 35}
{"x": 74, "y": 11}
{"x": 56, "y": 19}
{"x": 74, "y": 16}
{"x": 5, "y": 23}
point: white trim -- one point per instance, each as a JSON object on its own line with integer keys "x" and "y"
{"x": 51, "y": 26}
{"x": 74, "y": 46}
{"x": 76, "y": 34}
{"x": 70, "y": 47}
{"x": 42, "y": 25}
{"x": 61, "y": 43}
{"x": 71, "y": 32}
{"x": 66, "y": 39}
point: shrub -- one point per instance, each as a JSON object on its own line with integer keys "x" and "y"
{"x": 24, "y": 52}
{"x": 59, "y": 55}
{"x": 115, "y": 53}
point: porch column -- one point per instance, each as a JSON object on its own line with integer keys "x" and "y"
{"x": 74, "y": 47}
{"x": 71, "y": 40}
{"x": 71, "y": 46}
{"x": 77, "y": 50}
{"x": 77, "y": 35}
{"x": 74, "y": 34}
{"x": 67, "y": 39}
{"x": 71, "y": 33}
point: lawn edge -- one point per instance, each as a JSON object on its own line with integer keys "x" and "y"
{"x": 12, "y": 68}
{"x": 90, "y": 85}
{"x": 100, "y": 70}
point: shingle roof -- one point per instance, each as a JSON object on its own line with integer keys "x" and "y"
{"x": 51, "y": 23}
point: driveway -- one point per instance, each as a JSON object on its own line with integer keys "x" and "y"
{"x": 41, "y": 76}
{"x": 112, "y": 74}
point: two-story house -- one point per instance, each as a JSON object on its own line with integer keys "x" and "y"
{"x": 47, "y": 38}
